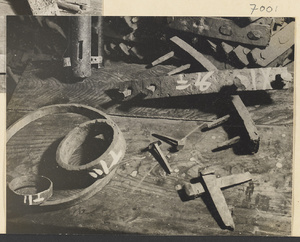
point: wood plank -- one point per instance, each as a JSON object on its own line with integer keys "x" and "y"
{"x": 148, "y": 202}
{"x": 34, "y": 92}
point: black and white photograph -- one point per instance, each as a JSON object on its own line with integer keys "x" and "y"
{"x": 51, "y": 7}
{"x": 149, "y": 125}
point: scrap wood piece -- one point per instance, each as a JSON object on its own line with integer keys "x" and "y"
{"x": 257, "y": 33}
{"x": 163, "y": 58}
{"x": 280, "y": 42}
{"x": 209, "y": 82}
{"x": 179, "y": 69}
{"x": 44, "y": 7}
{"x": 194, "y": 53}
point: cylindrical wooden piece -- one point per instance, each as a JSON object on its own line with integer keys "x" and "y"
{"x": 80, "y": 46}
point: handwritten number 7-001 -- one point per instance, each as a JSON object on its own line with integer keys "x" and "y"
{"x": 262, "y": 8}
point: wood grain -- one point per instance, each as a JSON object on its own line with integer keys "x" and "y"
{"x": 147, "y": 203}
{"x": 141, "y": 198}
{"x": 42, "y": 87}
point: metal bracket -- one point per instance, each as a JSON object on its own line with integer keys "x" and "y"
{"x": 94, "y": 60}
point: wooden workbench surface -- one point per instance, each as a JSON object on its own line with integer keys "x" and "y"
{"x": 141, "y": 198}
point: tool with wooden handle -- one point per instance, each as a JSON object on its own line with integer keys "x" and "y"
{"x": 155, "y": 147}
{"x": 213, "y": 185}
{"x": 178, "y": 144}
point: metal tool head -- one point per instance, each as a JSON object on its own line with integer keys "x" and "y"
{"x": 151, "y": 145}
{"x": 180, "y": 144}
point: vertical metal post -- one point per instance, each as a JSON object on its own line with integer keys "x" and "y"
{"x": 100, "y": 39}
{"x": 80, "y": 46}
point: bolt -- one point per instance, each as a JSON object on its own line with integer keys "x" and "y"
{"x": 283, "y": 39}
{"x": 225, "y": 30}
{"x": 254, "y": 34}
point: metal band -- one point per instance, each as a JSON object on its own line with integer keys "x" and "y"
{"x": 32, "y": 190}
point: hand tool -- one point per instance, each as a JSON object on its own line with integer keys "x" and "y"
{"x": 155, "y": 146}
{"x": 212, "y": 185}
{"x": 178, "y": 144}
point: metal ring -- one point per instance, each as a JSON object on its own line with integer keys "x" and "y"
{"x": 32, "y": 190}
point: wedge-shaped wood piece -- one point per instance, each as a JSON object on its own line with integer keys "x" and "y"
{"x": 279, "y": 44}
{"x": 194, "y": 53}
{"x": 179, "y": 69}
{"x": 257, "y": 33}
{"x": 163, "y": 58}
{"x": 210, "y": 82}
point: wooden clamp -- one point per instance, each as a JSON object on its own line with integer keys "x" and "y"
{"x": 213, "y": 185}
{"x": 257, "y": 33}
